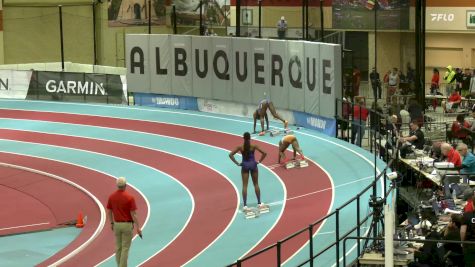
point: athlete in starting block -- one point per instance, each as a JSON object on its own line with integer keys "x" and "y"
{"x": 257, "y": 116}
{"x": 284, "y": 143}
{"x": 249, "y": 165}
{"x": 261, "y": 114}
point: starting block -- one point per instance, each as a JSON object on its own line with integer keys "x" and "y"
{"x": 296, "y": 163}
{"x": 250, "y": 214}
{"x": 276, "y": 132}
{"x": 256, "y": 212}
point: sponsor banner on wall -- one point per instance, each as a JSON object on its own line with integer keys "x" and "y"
{"x": 77, "y": 87}
{"x": 296, "y": 75}
{"x": 14, "y": 84}
{"x": 450, "y": 19}
{"x": 166, "y": 101}
{"x": 159, "y": 79}
{"x": 319, "y": 123}
{"x": 238, "y": 69}
{"x": 242, "y": 89}
{"x": 203, "y": 66}
{"x": 278, "y": 88}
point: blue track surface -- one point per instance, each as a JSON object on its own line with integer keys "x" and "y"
{"x": 349, "y": 167}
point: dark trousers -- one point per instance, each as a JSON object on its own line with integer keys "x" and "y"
{"x": 377, "y": 91}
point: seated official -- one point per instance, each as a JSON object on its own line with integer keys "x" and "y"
{"x": 454, "y": 101}
{"x": 454, "y": 251}
{"x": 393, "y": 130}
{"x": 452, "y": 156}
{"x": 468, "y": 162}
{"x": 415, "y": 138}
{"x": 460, "y": 129}
{"x": 430, "y": 254}
{"x": 468, "y": 195}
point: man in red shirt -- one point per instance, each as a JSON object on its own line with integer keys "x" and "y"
{"x": 460, "y": 129}
{"x": 451, "y": 155}
{"x": 358, "y": 127}
{"x": 454, "y": 101}
{"x": 121, "y": 209}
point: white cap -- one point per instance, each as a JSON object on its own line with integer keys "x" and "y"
{"x": 121, "y": 182}
{"x": 282, "y": 18}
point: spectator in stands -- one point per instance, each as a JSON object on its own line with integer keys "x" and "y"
{"x": 393, "y": 84}
{"x": 466, "y": 78}
{"x": 458, "y": 80}
{"x": 358, "y": 127}
{"x": 415, "y": 138}
{"x": 453, "y": 251}
{"x": 472, "y": 85}
{"x": 345, "y": 112}
{"x": 411, "y": 74}
{"x": 375, "y": 83}
{"x": 451, "y": 155}
{"x": 434, "y": 86}
{"x": 282, "y": 28}
{"x": 393, "y": 128}
{"x": 460, "y": 130}
{"x": 375, "y": 117}
{"x": 356, "y": 81}
{"x": 454, "y": 101}
{"x": 467, "y": 233}
{"x": 449, "y": 78}
{"x": 415, "y": 112}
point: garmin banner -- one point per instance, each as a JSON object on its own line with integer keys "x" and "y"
{"x": 295, "y": 75}
{"x": 77, "y": 87}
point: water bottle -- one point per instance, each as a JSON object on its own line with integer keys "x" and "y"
{"x": 454, "y": 193}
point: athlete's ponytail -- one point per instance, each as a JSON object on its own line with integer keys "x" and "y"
{"x": 246, "y": 145}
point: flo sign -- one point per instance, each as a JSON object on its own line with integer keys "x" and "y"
{"x": 297, "y": 75}
{"x": 453, "y": 19}
{"x": 447, "y": 17}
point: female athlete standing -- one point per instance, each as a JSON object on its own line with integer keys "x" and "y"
{"x": 248, "y": 165}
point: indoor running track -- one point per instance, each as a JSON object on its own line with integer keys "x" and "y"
{"x": 187, "y": 189}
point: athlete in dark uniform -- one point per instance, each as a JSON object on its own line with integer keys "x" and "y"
{"x": 248, "y": 165}
{"x": 261, "y": 113}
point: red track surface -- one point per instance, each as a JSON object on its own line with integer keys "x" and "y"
{"x": 89, "y": 180}
{"x": 298, "y": 212}
{"x": 212, "y": 213}
{"x": 38, "y": 199}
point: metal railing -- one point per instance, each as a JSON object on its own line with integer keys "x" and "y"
{"x": 310, "y": 229}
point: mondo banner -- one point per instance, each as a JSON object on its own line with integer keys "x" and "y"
{"x": 295, "y": 75}
{"x": 77, "y": 87}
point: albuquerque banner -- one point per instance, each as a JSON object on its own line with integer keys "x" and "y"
{"x": 295, "y": 75}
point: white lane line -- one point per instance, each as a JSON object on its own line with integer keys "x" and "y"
{"x": 23, "y": 226}
{"x": 378, "y": 171}
{"x": 98, "y": 203}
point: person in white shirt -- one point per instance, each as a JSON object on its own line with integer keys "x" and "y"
{"x": 282, "y": 28}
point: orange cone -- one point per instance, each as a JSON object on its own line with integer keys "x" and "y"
{"x": 80, "y": 221}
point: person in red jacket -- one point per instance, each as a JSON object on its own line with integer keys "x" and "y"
{"x": 454, "y": 101}
{"x": 358, "y": 127}
{"x": 434, "y": 86}
{"x": 460, "y": 129}
{"x": 451, "y": 155}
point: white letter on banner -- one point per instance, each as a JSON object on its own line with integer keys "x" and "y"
{"x": 101, "y": 88}
{"x": 71, "y": 87}
{"x": 61, "y": 88}
{"x": 82, "y": 88}
{"x": 51, "y": 86}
